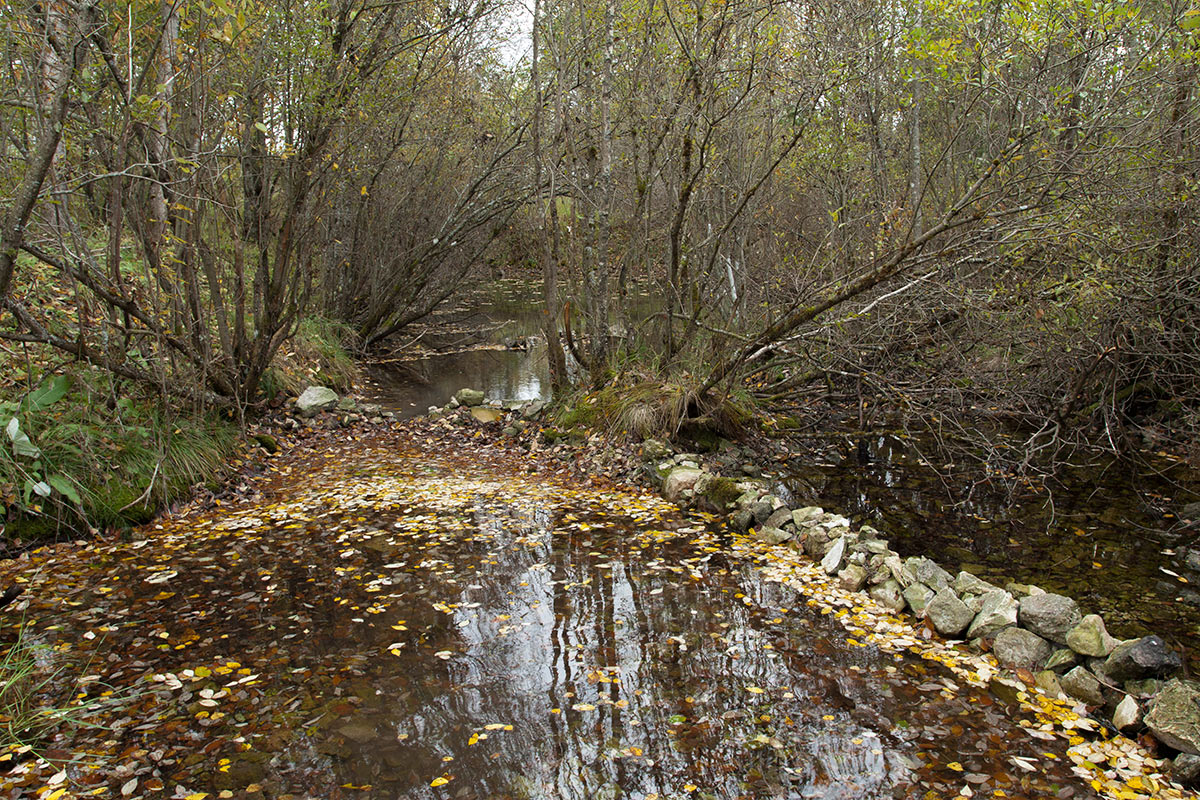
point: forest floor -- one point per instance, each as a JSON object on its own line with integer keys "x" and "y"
{"x": 430, "y": 611}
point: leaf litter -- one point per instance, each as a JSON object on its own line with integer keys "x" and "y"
{"x": 429, "y": 611}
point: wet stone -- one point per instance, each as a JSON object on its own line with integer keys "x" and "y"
{"x": 1148, "y": 657}
{"x": 1082, "y": 685}
{"x": 1017, "y": 647}
{"x": 949, "y": 615}
{"x": 1090, "y": 638}
{"x": 1050, "y": 616}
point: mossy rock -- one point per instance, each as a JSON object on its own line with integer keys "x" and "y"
{"x": 721, "y": 492}
{"x": 267, "y": 442}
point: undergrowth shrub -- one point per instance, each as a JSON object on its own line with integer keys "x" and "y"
{"x": 78, "y": 455}
{"x": 320, "y": 352}
{"x": 640, "y": 407}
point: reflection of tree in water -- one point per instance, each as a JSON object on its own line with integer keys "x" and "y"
{"x": 643, "y": 649}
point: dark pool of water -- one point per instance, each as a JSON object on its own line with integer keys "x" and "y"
{"x": 470, "y": 346}
{"x": 422, "y": 627}
{"x": 1106, "y": 535}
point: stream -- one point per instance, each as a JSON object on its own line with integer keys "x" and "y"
{"x": 1104, "y": 534}
{"x": 426, "y": 615}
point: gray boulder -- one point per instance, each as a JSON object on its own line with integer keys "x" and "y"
{"x": 771, "y": 535}
{"x": 1083, "y": 685}
{"x": 1174, "y": 716}
{"x": 1148, "y": 657}
{"x": 888, "y": 595}
{"x": 949, "y": 615}
{"x": 966, "y": 583}
{"x": 314, "y": 400}
{"x": 1090, "y": 638}
{"x": 1185, "y": 769}
{"x": 919, "y": 568}
{"x": 852, "y": 578}
{"x": 469, "y": 397}
{"x": 741, "y": 521}
{"x": 1050, "y": 616}
{"x": 1017, "y": 647}
{"x": 918, "y": 595}
{"x": 679, "y": 480}
{"x": 1128, "y": 714}
{"x": 999, "y": 611}
{"x": 832, "y": 561}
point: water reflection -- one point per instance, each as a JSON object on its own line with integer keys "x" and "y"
{"x": 582, "y": 656}
{"x": 1096, "y": 536}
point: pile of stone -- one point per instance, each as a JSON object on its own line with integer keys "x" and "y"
{"x": 1069, "y": 654}
{"x": 472, "y": 405}
{"x": 321, "y": 406}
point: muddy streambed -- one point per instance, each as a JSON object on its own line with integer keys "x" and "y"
{"x": 393, "y": 621}
{"x": 1107, "y": 535}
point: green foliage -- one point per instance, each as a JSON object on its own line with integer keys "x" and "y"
{"x": 76, "y": 461}
{"x": 319, "y": 352}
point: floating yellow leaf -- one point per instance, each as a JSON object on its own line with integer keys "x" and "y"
{"x": 440, "y": 781}
{"x": 754, "y": 690}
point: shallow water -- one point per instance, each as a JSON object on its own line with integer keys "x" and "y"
{"x": 399, "y": 622}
